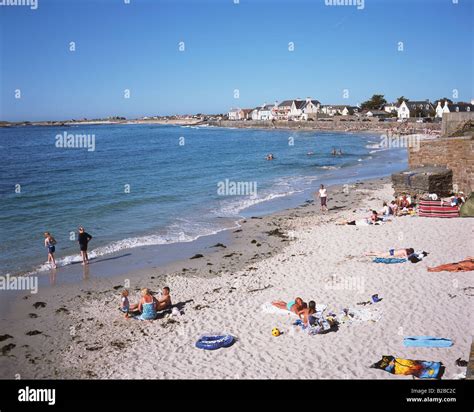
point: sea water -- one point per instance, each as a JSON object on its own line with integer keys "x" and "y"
{"x": 150, "y": 184}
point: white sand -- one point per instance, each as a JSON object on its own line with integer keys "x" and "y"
{"x": 415, "y": 302}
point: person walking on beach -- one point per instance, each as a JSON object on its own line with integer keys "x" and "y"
{"x": 49, "y": 242}
{"x": 84, "y": 239}
{"x": 322, "y": 193}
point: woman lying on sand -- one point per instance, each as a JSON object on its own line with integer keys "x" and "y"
{"x": 409, "y": 254}
{"x": 373, "y": 219}
{"x": 302, "y": 309}
{"x": 295, "y": 306}
{"x": 465, "y": 265}
{"x": 397, "y": 253}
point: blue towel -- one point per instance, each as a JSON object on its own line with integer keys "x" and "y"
{"x": 427, "y": 342}
{"x": 389, "y": 260}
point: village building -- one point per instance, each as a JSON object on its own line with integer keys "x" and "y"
{"x": 422, "y": 108}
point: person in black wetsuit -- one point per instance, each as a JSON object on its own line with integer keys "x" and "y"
{"x": 83, "y": 239}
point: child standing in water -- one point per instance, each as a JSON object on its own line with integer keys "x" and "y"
{"x": 83, "y": 240}
{"x": 49, "y": 242}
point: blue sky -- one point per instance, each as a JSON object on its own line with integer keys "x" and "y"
{"x": 227, "y": 46}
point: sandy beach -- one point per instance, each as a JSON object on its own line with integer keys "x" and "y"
{"x": 77, "y": 331}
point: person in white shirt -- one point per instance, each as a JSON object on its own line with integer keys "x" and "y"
{"x": 323, "y": 196}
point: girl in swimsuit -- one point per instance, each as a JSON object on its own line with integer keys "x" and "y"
{"x": 295, "y": 306}
{"x": 49, "y": 242}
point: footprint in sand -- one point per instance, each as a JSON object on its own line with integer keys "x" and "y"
{"x": 33, "y": 332}
{"x": 7, "y": 348}
{"x": 39, "y": 305}
{"x": 5, "y": 337}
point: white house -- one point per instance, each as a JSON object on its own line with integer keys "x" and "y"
{"x": 391, "y": 107}
{"x": 296, "y": 109}
{"x": 339, "y": 109}
{"x": 348, "y": 110}
{"x": 265, "y": 112}
{"x": 254, "y": 113}
{"x": 441, "y": 109}
{"x": 236, "y": 114}
{"x": 329, "y": 110}
{"x": 403, "y": 112}
{"x": 375, "y": 113}
{"x": 281, "y": 111}
{"x": 311, "y": 108}
{"x": 411, "y": 108}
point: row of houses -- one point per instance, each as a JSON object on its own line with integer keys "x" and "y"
{"x": 425, "y": 108}
{"x": 296, "y": 109}
{"x": 309, "y": 109}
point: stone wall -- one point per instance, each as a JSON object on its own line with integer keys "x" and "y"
{"x": 454, "y": 121}
{"x": 455, "y": 153}
{"x": 339, "y": 123}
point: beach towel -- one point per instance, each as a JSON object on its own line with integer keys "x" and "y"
{"x": 267, "y": 307}
{"x": 437, "y": 208}
{"x": 420, "y": 369}
{"x": 426, "y": 342}
{"x": 464, "y": 266}
{"x": 389, "y": 260}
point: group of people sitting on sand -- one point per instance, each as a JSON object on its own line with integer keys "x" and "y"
{"x": 148, "y": 305}
{"x": 403, "y": 205}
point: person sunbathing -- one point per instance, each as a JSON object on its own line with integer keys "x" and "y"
{"x": 408, "y": 254}
{"x": 373, "y": 219}
{"x": 396, "y": 253}
{"x": 295, "y": 306}
{"x": 465, "y": 265}
{"x": 164, "y": 301}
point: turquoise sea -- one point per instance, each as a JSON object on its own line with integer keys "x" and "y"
{"x": 150, "y": 185}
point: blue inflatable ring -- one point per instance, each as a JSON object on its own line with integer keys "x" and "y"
{"x": 212, "y": 342}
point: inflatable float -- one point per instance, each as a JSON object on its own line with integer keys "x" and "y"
{"x": 213, "y": 342}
